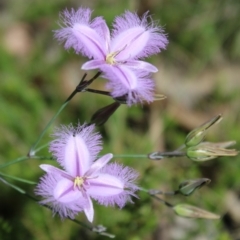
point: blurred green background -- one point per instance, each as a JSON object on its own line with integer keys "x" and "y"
{"x": 199, "y": 73}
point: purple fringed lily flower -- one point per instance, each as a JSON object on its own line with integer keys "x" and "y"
{"x": 116, "y": 54}
{"x": 69, "y": 191}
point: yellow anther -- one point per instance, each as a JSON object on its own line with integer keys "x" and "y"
{"x": 78, "y": 182}
{"x": 110, "y": 58}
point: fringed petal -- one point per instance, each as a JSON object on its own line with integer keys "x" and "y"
{"x": 135, "y": 37}
{"x": 129, "y": 43}
{"x": 65, "y": 209}
{"x": 77, "y": 156}
{"x": 116, "y": 185}
{"x": 137, "y": 86}
{"x": 79, "y": 33}
{"x": 141, "y": 65}
{"x": 98, "y": 165}
{"x": 75, "y": 148}
{"x": 105, "y": 185}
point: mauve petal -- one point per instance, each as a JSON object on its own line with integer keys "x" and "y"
{"x": 81, "y": 33}
{"x": 92, "y": 43}
{"x": 89, "y": 211}
{"x": 122, "y": 74}
{"x": 105, "y": 185}
{"x": 97, "y": 165}
{"x": 137, "y": 86}
{"x": 145, "y": 66}
{"x": 64, "y": 192}
{"x": 77, "y": 156}
{"x": 53, "y": 170}
{"x": 129, "y": 43}
{"x": 154, "y": 34}
{"x": 93, "y": 64}
{"x": 101, "y": 27}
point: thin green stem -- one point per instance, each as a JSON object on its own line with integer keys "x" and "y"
{"x": 20, "y": 159}
{"x": 81, "y": 87}
{"x": 180, "y": 148}
{"x": 155, "y": 191}
{"x": 18, "y": 179}
{"x": 153, "y": 155}
{"x": 130, "y": 156}
{"x": 43, "y": 157}
{"x": 161, "y": 155}
{"x": 41, "y": 147}
{"x": 158, "y": 198}
{"x": 163, "y": 201}
{"x": 13, "y": 186}
{"x": 32, "y": 152}
{"x": 81, "y": 223}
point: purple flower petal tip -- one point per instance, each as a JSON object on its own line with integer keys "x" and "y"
{"x": 136, "y": 86}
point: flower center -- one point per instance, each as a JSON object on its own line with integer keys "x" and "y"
{"x": 78, "y": 182}
{"x": 110, "y": 59}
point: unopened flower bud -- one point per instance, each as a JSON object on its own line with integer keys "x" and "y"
{"x": 103, "y": 114}
{"x": 196, "y": 136}
{"x": 189, "y": 186}
{"x": 206, "y": 151}
{"x": 189, "y": 211}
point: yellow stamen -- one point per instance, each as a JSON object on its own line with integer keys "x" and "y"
{"x": 110, "y": 58}
{"x": 78, "y": 182}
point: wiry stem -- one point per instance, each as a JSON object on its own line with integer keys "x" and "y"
{"x": 158, "y": 198}
{"x": 153, "y": 155}
{"x": 80, "y": 88}
{"x": 130, "y": 156}
{"x": 161, "y": 155}
{"x": 98, "y": 91}
{"x": 17, "y": 178}
{"x": 23, "y": 158}
{"x": 20, "y": 159}
{"x": 163, "y": 201}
